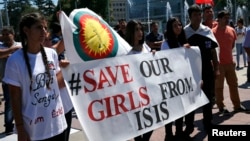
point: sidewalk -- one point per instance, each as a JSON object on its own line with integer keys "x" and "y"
{"x": 198, "y": 134}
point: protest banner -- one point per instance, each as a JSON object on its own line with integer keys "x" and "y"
{"x": 88, "y": 37}
{"x": 122, "y": 97}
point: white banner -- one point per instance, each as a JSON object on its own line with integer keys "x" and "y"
{"x": 88, "y": 37}
{"x": 122, "y": 97}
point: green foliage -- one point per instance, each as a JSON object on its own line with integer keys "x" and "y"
{"x": 15, "y": 10}
{"x": 46, "y": 7}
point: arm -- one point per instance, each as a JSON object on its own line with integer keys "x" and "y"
{"x": 16, "y": 100}
{"x": 246, "y": 43}
{"x": 4, "y": 53}
{"x": 215, "y": 61}
{"x": 59, "y": 46}
{"x": 60, "y": 80}
{"x": 64, "y": 63}
{"x": 156, "y": 44}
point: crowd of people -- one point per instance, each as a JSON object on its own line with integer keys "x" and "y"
{"x": 22, "y": 79}
{"x": 208, "y": 33}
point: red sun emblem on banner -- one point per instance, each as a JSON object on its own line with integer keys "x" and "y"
{"x": 93, "y": 38}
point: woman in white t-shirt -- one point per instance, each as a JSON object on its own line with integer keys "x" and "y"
{"x": 241, "y": 32}
{"x": 135, "y": 37}
{"x": 34, "y": 78}
{"x": 175, "y": 38}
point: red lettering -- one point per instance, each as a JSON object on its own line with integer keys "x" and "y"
{"x": 131, "y": 100}
{"x": 103, "y": 79}
{"x": 110, "y": 106}
{"x": 39, "y": 119}
{"x": 125, "y": 73}
{"x": 111, "y": 74}
{"x": 143, "y": 94}
{"x": 91, "y": 110}
{"x": 106, "y": 78}
{"x": 89, "y": 80}
{"x": 57, "y": 112}
{"x": 119, "y": 101}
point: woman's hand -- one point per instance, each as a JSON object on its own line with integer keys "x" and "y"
{"x": 186, "y": 45}
{"x": 153, "y": 51}
{"x": 64, "y": 63}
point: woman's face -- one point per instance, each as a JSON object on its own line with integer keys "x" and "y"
{"x": 177, "y": 27}
{"x": 37, "y": 32}
{"x": 138, "y": 33}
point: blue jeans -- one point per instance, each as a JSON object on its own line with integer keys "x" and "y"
{"x": 239, "y": 50}
{"x": 8, "y": 115}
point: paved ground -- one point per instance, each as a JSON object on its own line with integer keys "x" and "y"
{"x": 198, "y": 134}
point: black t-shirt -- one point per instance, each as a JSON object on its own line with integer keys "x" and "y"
{"x": 206, "y": 42}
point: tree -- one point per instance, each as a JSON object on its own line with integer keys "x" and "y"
{"x": 16, "y": 8}
{"x": 98, "y": 6}
{"x": 46, "y": 7}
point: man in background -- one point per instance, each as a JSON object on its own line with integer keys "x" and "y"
{"x": 122, "y": 28}
{"x": 226, "y": 37}
{"x": 208, "y": 17}
{"x": 7, "y": 47}
{"x": 154, "y": 39}
{"x": 202, "y": 36}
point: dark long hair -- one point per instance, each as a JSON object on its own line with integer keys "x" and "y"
{"x": 27, "y": 21}
{"x": 130, "y": 32}
{"x": 172, "y": 40}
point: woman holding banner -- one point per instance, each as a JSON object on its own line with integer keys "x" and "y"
{"x": 135, "y": 38}
{"x": 174, "y": 38}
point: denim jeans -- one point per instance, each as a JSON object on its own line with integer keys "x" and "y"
{"x": 239, "y": 50}
{"x": 8, "y": 115}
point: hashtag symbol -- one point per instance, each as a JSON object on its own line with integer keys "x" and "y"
{"x": 74, "y": 83}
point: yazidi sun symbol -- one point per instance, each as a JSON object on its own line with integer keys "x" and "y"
{"x": 93, "y": 39}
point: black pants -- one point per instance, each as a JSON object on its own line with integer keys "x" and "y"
{"x": 60, "y": 137}
{"x": 144, "y": 137}
{"x": 178, "y": 127}
{"x": 68, "y": 117}
{"x": 208, "y": 89}
{"x": 64, "y": 136}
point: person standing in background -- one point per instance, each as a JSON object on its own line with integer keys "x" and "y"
{"x": 7, "y": 47}
{"x": 56, "y": 36}
{"x": 202, "y": 36}
{"x": 154, "y": 39}
{"x": 226, "y": 37}
{"x": 57, "y": 42}
{"x": 122, "y": 28}
{"x": 208, "y": 20}
{"x": 208, "y": 17}
{"x": 240, "y": 32}
{"x": 246, "y": 46}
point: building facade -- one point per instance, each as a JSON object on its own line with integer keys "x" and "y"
{"x": 118, "y": 9}
{"x": 147, "y": 11}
